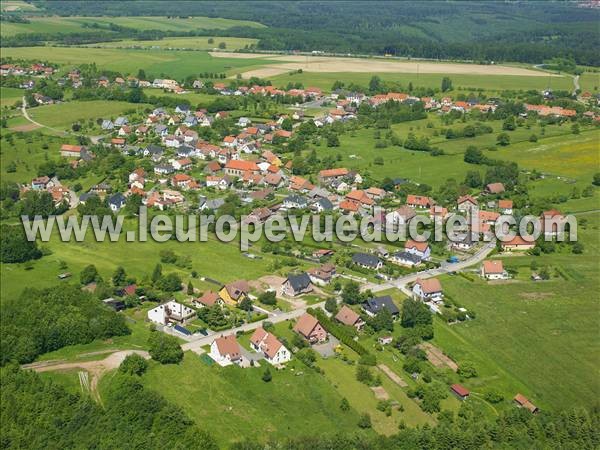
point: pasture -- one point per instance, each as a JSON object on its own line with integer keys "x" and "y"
{"x": 156, "y": 63}
{"x": 536, "y": 338}
{"x": 9, "y": 96}
{"x": 76, "y": 24}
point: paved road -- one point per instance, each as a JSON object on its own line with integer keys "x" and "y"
{"x": 196, "y": 345}
{"x": 401, "y": 282}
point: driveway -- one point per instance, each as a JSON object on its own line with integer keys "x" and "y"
{"x": 327, "y": 349}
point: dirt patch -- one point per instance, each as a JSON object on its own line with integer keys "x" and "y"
{"x": 392, "y": 375}
{"x": 536, "y": 295}
{"x": 437, "y": 357}
{"x": 273, "y": 281}
{"x": 380, "y": 393}
{"x": 25, "y": 128}
{"x": 242, "y": 55}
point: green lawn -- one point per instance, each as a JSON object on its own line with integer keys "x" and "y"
{"x": 325, "y": 80}
{"x": 237, "y": 404}
{"x": 193, "y": 43}
{"x": 536, "y": 338}
{"x": 589, "y": 81}
{"x": 75, "y": 24}
{"x": 156, "y": 63}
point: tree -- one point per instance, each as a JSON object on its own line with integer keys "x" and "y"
{"x": 190, "y": 288}
{"x": 351, "y": 293}
{"x": 333, "y": 140}
{"x": 415, "y": 313}
{"x": 88, "y": 275}
{"x": 383, "y": 320}
{"x": 169, "y": 283}
{"x": 467, "y": 370}
{"x": 446, "y": 84}
{"x": 363, "y": 374}
{"x": 14, "y": 246}
{"x": 509, "y": 124}
{"x": 266, "y": 376}
{"x": 364, "y": 421}
{"x": 596, "y": 179}
{"x": 268, "y": 298}
{"x": 533, "y": 138}
{"x": 503, "y": 139}
{"x": 133, "y": 364}
{"x": 344, "y": 405}
{"x": 164, "y": 348}
{"x": 494, "y": 396}
{"x": 473, "y": 155}
{"x": 331, "y": 305}
{"x": 375, "y": 84}
{"x": 119, "y": 277}
{"x": 245, "y": 304}
{"x": 222, "y": 45}
{"x": 575, "y": 129}
{"x": 156, "y": 273}
{"x": 211, "y": 41}
{"x": 577, "y": 248}
{"x": 473, "y": 179}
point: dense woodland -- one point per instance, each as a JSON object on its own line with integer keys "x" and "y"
{"x": 481, "y": 31}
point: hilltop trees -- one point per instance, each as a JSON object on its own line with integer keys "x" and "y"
{"x": 14, "y": 246}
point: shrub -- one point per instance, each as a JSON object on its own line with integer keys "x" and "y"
{"x": 134, "y": 365}
{"x": 164, "y": 348}
{"x": 364, "y": 421}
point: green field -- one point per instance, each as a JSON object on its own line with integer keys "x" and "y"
{"x": 236, "y": 403}
{"x": 27, "y": 153}
{"x": 75, "y": 24}
{"x": 430, "y": 80}
{"x": 9, "y": 96}
{"x": 156, "y": 63}
{"x": 537, "y": 338}
{"x": 62, "y": 115}
{"x": 190, "y": 43}
{"x": 589, "y": 81}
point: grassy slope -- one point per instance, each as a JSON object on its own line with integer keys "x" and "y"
{"x": 155, "y": 62}
{"x": 9, "y": 96}
{"x": 238, "y": 404}
{"x": 74, "y": 24}
{"x": 539, "y": 339}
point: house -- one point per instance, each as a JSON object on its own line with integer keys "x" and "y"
{"x": 71, "y": 151}
{"x": 217, "y": 182}
{"x": 428, "y": 290}
{"x": 493, "y": 270}
{"x": 438, "y": 212}
{"x": 295, "y": 202}
{"x": 107, "y": 124}
{"x": 212, "y": 204}
{"x": 405, "y": 259}
{"x": 419, "y": 201}
{"x": 553, "y": 223}
{"x": 467, "y": 204}
{"x": 207, "y": 300}
{"x": 117, "y": 142}
{"x": 420, "y": 249}
{"x": 225, "y": 351}
{"x": 322, "y": 275}
{"x": 328, "y": 175}
{"x": 465, "y": 242}
{"x": 170, "y": 312}
{"x": 523, "y": 402}
{"x": 373, "y": 305}
{"x": 322, "y": 205}
{"x": 128, "y": 290}
{"x": 367, "y": 261}
{"x": 153, "y": 151}
{"x": 460, "y": 391}
{"x": 296, "y": 284}
{"x": 164, "y": 169}
{"x": 183, "y": 181}
{"x": 385, "y": 340}
{"x": 517, "y": 243}
{"x": 494, "y": 188}
{"x": 272, "y": 349}
{"x": 116, "y": 202}
{"x": 258, "y": 215}
{"x": 182, "y": 164}
{"x": 40, "y": 183}
{"x": 310, "y": 329}
{"x": 237, "y": 167}
{"x": 398, "y": 219}
{"x": 235, "y": 292}
{"x": 349, "y": 317}
{"x": 505, "y": 206}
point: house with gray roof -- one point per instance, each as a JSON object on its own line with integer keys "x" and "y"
{"x": 374, "y": 305}
{"x": 297, "y": 284}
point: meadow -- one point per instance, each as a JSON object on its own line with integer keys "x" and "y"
{"x": 461, "y": 82}
{"x": 236, "y": 403}
{"x": 536, "y": 338}
{"x": 56, "y": 24}
{"x": 193, "y": 43}
{"x": 10, "y": 96}
{"x": 156, "y": 63}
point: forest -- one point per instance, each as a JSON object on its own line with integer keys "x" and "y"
{"x": 480, "y": 31}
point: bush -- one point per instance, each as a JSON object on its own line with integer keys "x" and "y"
{"x": 364, "y": 421}
{"x": 467, "y": 370}
{"x": 134, "y": 365}
{"x": 268, "y": 298}
{"x": 267, "y": 377}
{"x": 493, "y": 396}
{"x": 164, "y": 348}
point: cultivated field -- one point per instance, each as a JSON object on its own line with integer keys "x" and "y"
{"x": 75, "y": 24}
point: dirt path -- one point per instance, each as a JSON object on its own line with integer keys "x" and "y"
{"x": 392, "y": 375}
{"x": 437, "y": 357}
{"x": 95, "y": 368}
